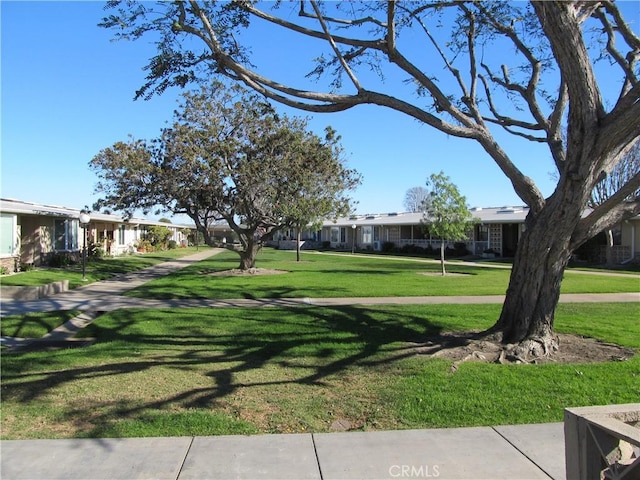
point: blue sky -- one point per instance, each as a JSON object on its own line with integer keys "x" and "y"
{"x": 67, "y": 92}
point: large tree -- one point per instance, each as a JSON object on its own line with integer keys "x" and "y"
{"x": 462, "y": 85}
{"x": 228, "y": 156}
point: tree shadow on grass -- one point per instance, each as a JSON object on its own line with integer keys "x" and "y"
{"x": 229, "y": 347}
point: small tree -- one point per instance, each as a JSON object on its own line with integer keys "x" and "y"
{"x": 159, "y": 235}
{"x": 317, "y": 194}
{"x": 446, "y": 213}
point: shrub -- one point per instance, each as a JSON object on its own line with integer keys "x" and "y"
{"x": 172, "y": 244}
{"x": 4, "y": 271}
{"x": 95, "y": 250}
{"x": 388, "y": 246}
{"x": 60, "y": 260}
{"x": 145, "y": 246}
{"x": 459, "y": 250}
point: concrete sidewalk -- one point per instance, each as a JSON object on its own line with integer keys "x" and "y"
{"x": 508, "y": 452}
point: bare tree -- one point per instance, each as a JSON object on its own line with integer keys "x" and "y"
{"x": 454, "y": 85}
{"x": 415, "y": 198}
{"x": 625, "y": 170}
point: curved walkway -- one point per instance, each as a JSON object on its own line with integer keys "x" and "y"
{"x": 108, "y": 295}
{"x": 503, "y": 452}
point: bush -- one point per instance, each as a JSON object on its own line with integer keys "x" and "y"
{"x": 95, "y": 250}
{"x": 590, "y": 250}
{"x": 459, "y": 250}
{"x": 172, "y": 244}
{"x": 60, "y": 260}
{"x": 326, "y": 245}
{"x": 145, "y": 246}
{"x": 388, "y": 246}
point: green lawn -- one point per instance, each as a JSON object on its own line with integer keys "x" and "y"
{"x": 34, "y": 325}
{"x": 96, "y": 269}
{"x": 268, "y": 370}
{"x": 328, "y": 275}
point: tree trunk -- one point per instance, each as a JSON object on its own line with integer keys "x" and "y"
{"x": 248, "y": 255}
{"x": 298, "y": 245}
{"x": 442, "y": 249}
{"x": 528, "y": 312}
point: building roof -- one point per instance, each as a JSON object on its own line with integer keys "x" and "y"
{"x": 8, "y": 205}
{"x": 485, "y": 215}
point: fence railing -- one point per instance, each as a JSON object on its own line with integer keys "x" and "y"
{"x": 602, "y": 442}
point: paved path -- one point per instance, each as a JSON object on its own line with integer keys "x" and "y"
{"x": 108, "y": 295}
{"x": 491, "y": 453}
{"x": 504, "y": 452}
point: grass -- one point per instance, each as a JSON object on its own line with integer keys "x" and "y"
{"x": 34, "y": 325}
{"x": 96, "y": 269}
{"x": 272, "y": 370}
{"x": 322, "y": 275}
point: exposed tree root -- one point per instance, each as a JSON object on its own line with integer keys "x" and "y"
{"x": 461, "y": 347}
{"x": 532, "y": 350}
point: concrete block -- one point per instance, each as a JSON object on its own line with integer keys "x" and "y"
{"x": 94, "y": 459}
{"x": 461, "y": 453}
{"x": 279, "y": 457}
{"x": 542, "y": 443}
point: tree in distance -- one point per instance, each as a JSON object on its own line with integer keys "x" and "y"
{"x": 446, "y": 214}
{"x": 414, "y": 199}
{"x": 447, "y": 78}
{"x": 623, "y": 172}
{"x": 228, "y": 156}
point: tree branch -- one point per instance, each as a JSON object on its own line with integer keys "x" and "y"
{"x": 329, "y": 39}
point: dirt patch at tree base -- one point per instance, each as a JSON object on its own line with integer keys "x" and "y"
{"x": 462, "y": 347}
{"x": 448, "y": 274}
{"x": 236, "y": 272}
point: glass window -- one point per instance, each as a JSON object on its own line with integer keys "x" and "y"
{"x": 367, "y": 234}
{"x": 482, "y": 233}
{"x": 335, "y": 232}
{"x": 343, "y": 234}
{"x": 7, "y": 234}
{"x": 121, "y": 235}
{"x": 65, "y": 234}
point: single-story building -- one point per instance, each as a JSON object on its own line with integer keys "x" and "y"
{"x": 31, "y": 233}
{"x": 498, "y": 230}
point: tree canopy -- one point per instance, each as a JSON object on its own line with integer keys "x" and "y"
{"x": 446, "y": 213}
{"x": 228, "y": 156}
{"x": 439, "y": 63}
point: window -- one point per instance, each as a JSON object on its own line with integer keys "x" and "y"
{"x": 367, "y": 235}
{"x": 335, "y": 235}
{"x": 482, "y": 233}
{"x": 121, "y": 235}
{"x": 65, "y": 234}
{"x": 338, "y": 235}
{"x": 7, "y": 234}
